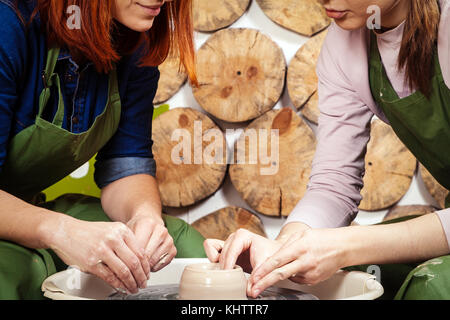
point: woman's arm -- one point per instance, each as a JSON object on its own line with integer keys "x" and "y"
{"x": 135, "y": 201}
{"x": 314, "y": 255}
{"x": 414, "y": 240}
{"x": 77, "y": 243}
{"x": 336, "y": 179}
{"x": 134, "y": 195}
{"x": 26, "y": 224}
{"x": 20, "y": 222}
{"x": 126, "y": 169}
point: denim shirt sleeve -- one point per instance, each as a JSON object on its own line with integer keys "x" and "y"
{"x": 108, "y": 171}
{"x": 129, "y": 151}
{"x": 13, "y": 46}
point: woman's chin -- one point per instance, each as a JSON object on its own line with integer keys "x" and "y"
{"x": 350, "y": 23}
{"x": 141, "y": 26}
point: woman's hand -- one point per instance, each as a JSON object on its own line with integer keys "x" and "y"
{"x": 243, "y": 248}
{"x": 108, "y": 250}
{"x": 154, "y": 238}
{"x": 307, "y": 257}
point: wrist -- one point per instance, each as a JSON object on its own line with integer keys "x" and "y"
{"x": 52, "y": 228}
{"x": 289, "y": 229}
{"x": 148, "y": 214}
{"x": 351, "y": 249}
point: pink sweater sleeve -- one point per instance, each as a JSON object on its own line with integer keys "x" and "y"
{"x": 333, "y": 193}
{"x": 444, "y": 216}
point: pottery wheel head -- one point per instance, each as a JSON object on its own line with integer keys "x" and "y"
{"x": 170, "y": 292}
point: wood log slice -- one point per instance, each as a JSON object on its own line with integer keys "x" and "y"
{"x": 301, "y": 77}
{"x": 241, "y": 74}
{"x": 390, "y": 168}
{"x": 185, "y": 176}
{"x": 306, "y": 17}
{"x": 170, "y": 81}
{"x": 311, "y": 109}
{"x": 406, "y": 211}
{"x": 217, "y": 14}
{"x": 222, "y": 223}
{"x": 274, "y": 192}
{"x": 436, "y": 190}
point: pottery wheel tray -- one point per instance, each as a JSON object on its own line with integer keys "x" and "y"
{"x": 72, "y": 284}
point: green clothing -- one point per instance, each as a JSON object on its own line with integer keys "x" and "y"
{"x": 41, "y": 155}
{"x": 423, "y": 125}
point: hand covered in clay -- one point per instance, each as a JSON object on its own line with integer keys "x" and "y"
{"x": 307, "y": 257}
{"x": 108, "y": 250}
{"x": 154, "y": 238}
{"x": 243, "y": 248}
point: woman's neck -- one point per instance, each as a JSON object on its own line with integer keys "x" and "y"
{"x": 396, "y": 15}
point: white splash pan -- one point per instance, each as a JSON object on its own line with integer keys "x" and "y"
{"x": 74, "y": 285}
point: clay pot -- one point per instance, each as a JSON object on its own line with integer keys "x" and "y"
{"x": 206, "y": 281}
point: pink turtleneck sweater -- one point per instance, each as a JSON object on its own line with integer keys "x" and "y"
{"x": 346, "y": 110}
{"x": 389, "y": 44}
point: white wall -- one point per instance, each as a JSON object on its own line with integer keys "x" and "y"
{"x": 290, "y": 42}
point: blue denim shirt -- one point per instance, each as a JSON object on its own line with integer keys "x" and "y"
{"x": 23, "y": 54}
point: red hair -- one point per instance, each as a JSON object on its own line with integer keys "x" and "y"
{"x": 103, "y": 40}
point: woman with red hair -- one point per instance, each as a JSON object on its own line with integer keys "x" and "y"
{"x": 77, "y": 78}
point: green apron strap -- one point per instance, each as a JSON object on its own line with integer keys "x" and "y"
{"x": 114, "y": 85}
{"x": 49, "y": 77}
{"x": 421, "y": 123}
{"x": 52, "y": 59}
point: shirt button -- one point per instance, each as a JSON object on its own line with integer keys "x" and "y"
{"x": 69, "y": 77}
{"x": 75, "y": 120}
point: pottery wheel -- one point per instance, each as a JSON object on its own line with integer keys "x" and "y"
{"x": 241, "y": 74}
{"x": 170, "y": 292}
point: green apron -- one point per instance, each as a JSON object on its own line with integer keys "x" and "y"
{"x": 43, "y": 154}
{"x": 423, "y": 125}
